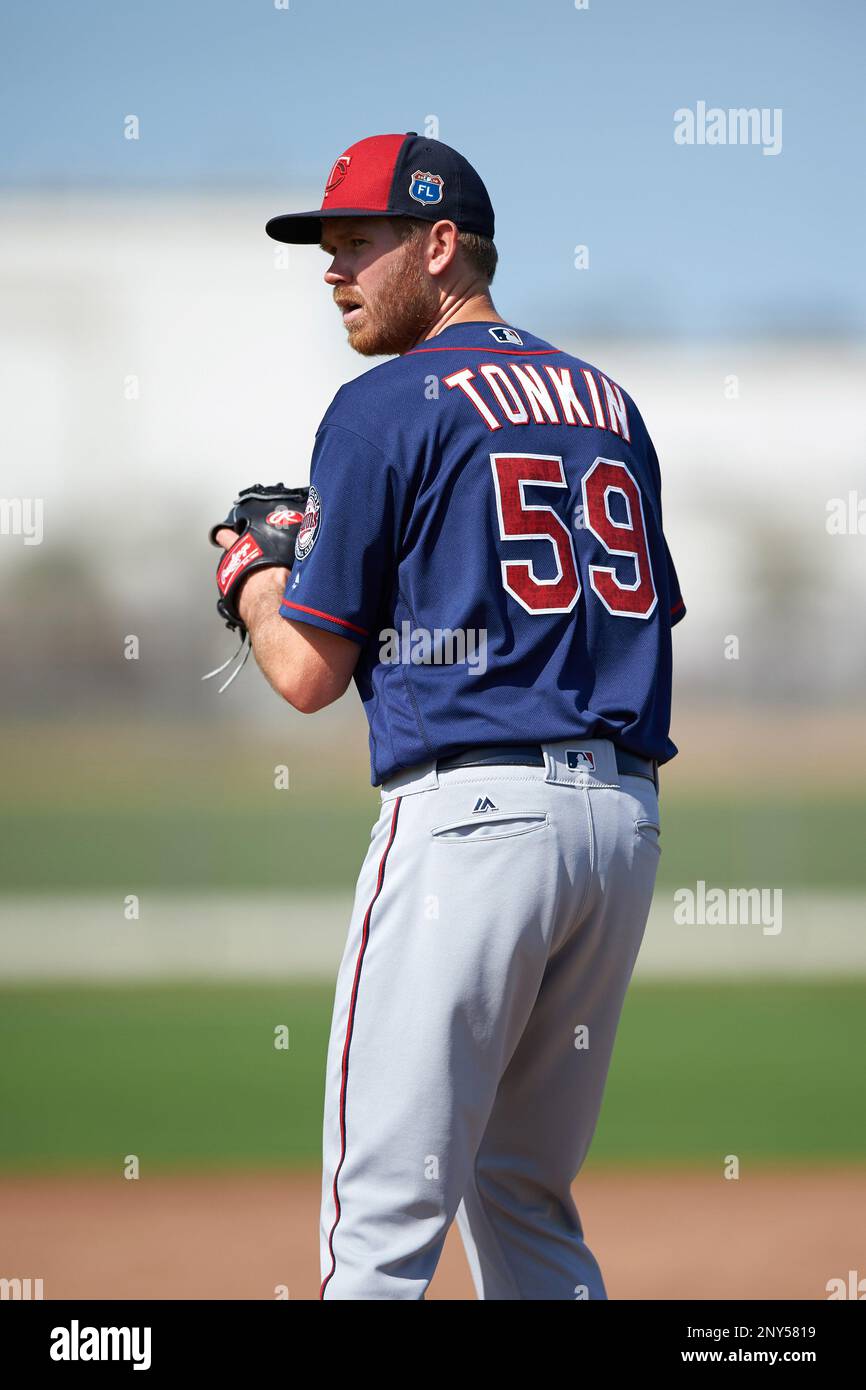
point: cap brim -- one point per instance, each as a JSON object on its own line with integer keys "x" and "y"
{"x": 305, "y": 228}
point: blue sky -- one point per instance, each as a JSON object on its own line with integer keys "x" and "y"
{"x": 567, "y": 114}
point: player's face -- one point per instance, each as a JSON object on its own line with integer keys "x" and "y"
{"x": 384, "y": 294}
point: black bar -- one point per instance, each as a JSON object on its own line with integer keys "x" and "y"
{"x": 251, "y": 1337}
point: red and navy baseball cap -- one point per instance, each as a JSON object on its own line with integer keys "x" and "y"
{"x": 395, "y": 176}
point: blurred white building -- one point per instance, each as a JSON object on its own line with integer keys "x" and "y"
{"x": 155, "y": 349}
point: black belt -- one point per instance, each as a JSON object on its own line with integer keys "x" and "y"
{"x": 532, "y": 755}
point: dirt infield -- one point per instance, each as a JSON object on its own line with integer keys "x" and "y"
{"x": 657, "y": 1236}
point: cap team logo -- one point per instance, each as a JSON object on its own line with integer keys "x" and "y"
{"x": 580, "y": 759}
{"x": 338, "y": 172}
{"x": 309, "y": 526}
{"x": 283, "y": 516}
{"x": 426, "y": 187}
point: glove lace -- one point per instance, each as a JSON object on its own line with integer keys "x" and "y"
{"x": 243, "y": 652}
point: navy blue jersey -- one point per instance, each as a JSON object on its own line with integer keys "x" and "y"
{"x": 485, "y": 522}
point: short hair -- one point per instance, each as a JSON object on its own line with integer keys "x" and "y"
{"x": 478, "y": 250}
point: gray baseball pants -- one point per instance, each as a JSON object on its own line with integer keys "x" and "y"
{"x": 497, "y": 919}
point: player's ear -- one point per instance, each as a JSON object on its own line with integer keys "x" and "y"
{"x": 442, "y": 246}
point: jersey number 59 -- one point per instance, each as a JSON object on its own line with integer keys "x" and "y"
{"x": 627, "y": 590}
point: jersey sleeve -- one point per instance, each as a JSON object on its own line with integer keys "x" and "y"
{"x": 677, "y": 603}
{"x": 346, "y": 550}
{"x": 678, "y": 607}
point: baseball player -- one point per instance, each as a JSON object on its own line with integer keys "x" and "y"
{"x": 481, "y": 549}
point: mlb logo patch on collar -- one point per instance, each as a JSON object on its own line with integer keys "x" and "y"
{"x": 505, "y": 335}
{"x": 580, "y": 759}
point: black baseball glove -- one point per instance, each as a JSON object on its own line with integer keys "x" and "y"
{"x": 267, "y": 520}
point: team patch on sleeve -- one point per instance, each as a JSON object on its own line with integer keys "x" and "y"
{"x": 309, "y": 526}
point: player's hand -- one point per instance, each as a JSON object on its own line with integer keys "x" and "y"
{"x": 256, "y": 585}
{"x": 257, "y": 538}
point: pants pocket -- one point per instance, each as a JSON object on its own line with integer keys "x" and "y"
{"x": 650, "y": 832}
{"x": 487, "y": 827}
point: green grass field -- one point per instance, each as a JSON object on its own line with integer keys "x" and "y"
{"x": 312, "y": 843}
{"x": 184, "y": 1075}
{"x": 84, "y": 809}
{"x": 188, "y": 1076}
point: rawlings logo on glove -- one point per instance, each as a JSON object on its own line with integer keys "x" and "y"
{"x": 236, "y": 561}
{"x": 283, "y": 517}
{"x": 267, "y": 521}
